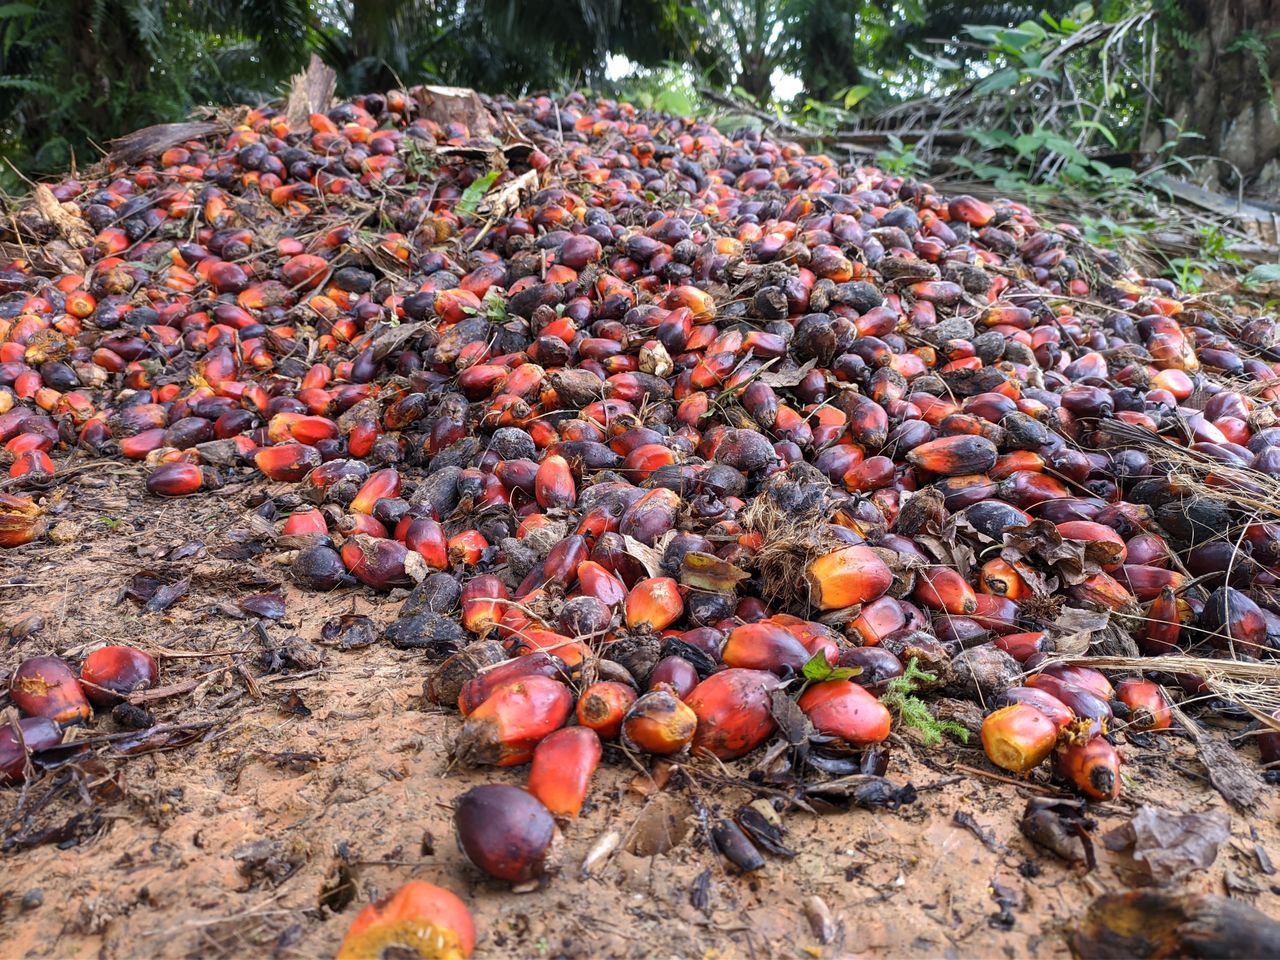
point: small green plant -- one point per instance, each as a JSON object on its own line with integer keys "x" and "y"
{"x": 900, "y": 159}
{"x": 469, "y": 202}
{"x": 911, "y": 711}
{"x": 112, "y": 523}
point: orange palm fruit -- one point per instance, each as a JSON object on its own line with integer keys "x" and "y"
{"x": 426, "y": 537}
{"x": 504, "y": 730}
{"x": 603, "y": 705}
{"x": 1093, "y": 768}
{"x": 1018, "y": 737}
{"x": 595, "y": 581}
{"x": 659, "y": 723}
{"x": 420, "y": 920}
{"x": 1104, "y": 590}
{"x": 654, "y": 604}
{"x": 21, "y": 521}
{"x": 553, "y": 485}
{"x": 46, "y": 687}
{"x": 1104, "y": 545}
{"x": 483, "y": 603}
{"x": 1000, "y": 578}
{"x": 941, "y": 588}
{"x": 841, "y": 708}
{"x": 488, "y": 682}
{"x": 563, "y": 764}
{"x": 955, "y": 456}
{"x": 847, "y": 576}
{"x": 970, "y": 210}
{"x": 878, "y": 619}
{"x": 383, "y": 484}
{"x": 1147, "y": 703}
{"x": 289, "y": 462}
{"x": 734, "y": 712}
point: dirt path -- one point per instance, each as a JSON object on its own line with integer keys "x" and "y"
{"x": 321, "y": 785}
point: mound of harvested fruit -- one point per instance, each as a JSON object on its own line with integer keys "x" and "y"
{"x": 673, "y": 442}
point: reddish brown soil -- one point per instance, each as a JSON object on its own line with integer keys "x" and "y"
{"x": 266, "y": 834}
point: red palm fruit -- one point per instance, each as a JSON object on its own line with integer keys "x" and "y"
{"x": 677, "y": 673}
{"x": 563, "y": 764}
{"x": 603, "y": 705}
{"x": 554, "y": 485}
{"x": 874, "y": 473}
{"x": 110, "y": 671}
{"x": 505, "y": 831}
{"x": 361, "y": 523}
{"x": 383, "y": 484}
{"x": 425, "y": 536}
{"x": 972, "y": 211}
{"x": 517, "y": 474}
{"x": 1146, "y": 583}
{"x": 289, "y": 462}
{"x": 504, "y": 730}
{"x": 1103, "y": 545}
{"x": 643, "y": 460}
{"x": 38, "y": 733}
{"x": 1149, "y": 710}
{"x": 654, "y": 604}
{"x": 764, "y": 646}
{"x": 1023, "y": 646}
{"x": 997, "y": 614}
{"x": 941, "y": 588}
{"x": 601, "y": 520}
{"x": 483, "y": 685}
{"x": 1000, "y": 578}
{"x": 595, "y": 581}
{"x": 651, "y": 516}
{"x": 659, "y": 723}
{"x": 382, "y": 564}
{"x": 734, "y": 712}
{"x": 46, "y": 687}
{"x": 420, "y": 920}
{"x": 954, "y": 456}
{"x": 1085, "y": 704}
{"x": 1159, "y": 634}
{"x": 1046, "y": 703}
{"x": 1092, "y": 767}
{"x": 878, "y": 619}
{"x": 847, "y": 576}
{"x": 467, "y": 547}
{"x": 21, "y": 521}
{"x": 840, "y": 708}
{"x": 813, "y": 636}
{"x": 1104, "y": 590}
{"x": 562, "y": 562}
{"x": 868, "y": 423}
{"x": 1028, "y": 490}
{"x": 1086, "y": 678}
{"x": 175, "y": 480}
{"x": 31, "y": 463}
{"x": 1148, "y": 550}
{"x": 305, "y": 523}
{"x": 1018, "y": 737}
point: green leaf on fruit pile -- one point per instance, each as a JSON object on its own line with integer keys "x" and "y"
{"x": 818, "y": 670}
{"x": 471, "y": 197}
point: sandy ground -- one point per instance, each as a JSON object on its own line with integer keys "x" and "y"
{"x": 316, "y": 788}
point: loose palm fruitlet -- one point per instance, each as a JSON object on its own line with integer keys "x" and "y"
{"x": 505, "y": 831}
{"x": 420, "y": 920}
{"x": 672, "y": 414}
